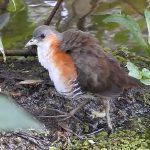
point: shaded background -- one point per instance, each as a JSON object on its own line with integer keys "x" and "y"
{"x": 17, "y": 24}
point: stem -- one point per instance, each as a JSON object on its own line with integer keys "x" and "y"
{"x": 49, "y": 19}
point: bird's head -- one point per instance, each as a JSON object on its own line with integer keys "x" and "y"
{"x": 44, "y": 36}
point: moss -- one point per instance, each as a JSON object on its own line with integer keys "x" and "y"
{"x": 121, "y": 140}
{"x": 124, "y": 55}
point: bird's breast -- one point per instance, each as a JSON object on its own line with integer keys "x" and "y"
{"x": 61, "y": 68}
{"x": 56, "y": 77}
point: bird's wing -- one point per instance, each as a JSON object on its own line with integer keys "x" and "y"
{"x": 97, "y": 71}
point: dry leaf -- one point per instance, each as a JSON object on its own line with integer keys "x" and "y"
{"x": 29, "y": 82}
{"x": 12, "y": 93}
{"x": 91, "y": 141}
{"x": 96, "y": 114}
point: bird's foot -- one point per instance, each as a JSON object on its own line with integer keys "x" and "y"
{"x": 74, "y": 111}
{"x": 64, "y": 116}
{"x": 69, "y": 115}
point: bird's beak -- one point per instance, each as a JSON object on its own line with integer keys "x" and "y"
{"x": 33, "y": 41}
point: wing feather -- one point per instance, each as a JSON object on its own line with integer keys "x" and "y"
{"x": 97, "y": 71}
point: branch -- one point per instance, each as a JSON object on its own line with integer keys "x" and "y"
{"x": 24, "y": 53}
{"x": 49, "y": 19}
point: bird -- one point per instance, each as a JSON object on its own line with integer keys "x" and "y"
{"x": 77, "y": 64}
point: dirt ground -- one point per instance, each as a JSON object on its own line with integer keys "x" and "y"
{"x": 39, "y": 98}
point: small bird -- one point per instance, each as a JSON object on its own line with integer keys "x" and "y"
{"x": 76, "y": 64}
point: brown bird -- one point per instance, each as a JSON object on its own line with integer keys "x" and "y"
{"x": 76, "y": 63}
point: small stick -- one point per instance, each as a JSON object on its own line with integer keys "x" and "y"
{"x": 49, "y": 19}
{"x": 24, "y": 53}
{"x": 30, "y": 138}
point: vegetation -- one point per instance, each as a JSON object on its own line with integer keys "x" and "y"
{"x": 130, "y": 24}
{"x": 122, "y": 140}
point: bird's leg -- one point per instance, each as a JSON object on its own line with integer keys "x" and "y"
{"x": 64, "y": 115}
{"x": 106, "y": 105}
{"x": 88, "y": 98}
{"x": 107, "y": 111}
{"x": 72, "y": 112}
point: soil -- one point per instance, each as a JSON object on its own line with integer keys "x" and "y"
{"x": 39, "y": 98}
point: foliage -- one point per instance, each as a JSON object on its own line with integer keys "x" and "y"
{"x": 142, "y": 75}
{"x": 130, "y": 24}
{"x": 13, "y": 1}
{"x": 20, "y": 30}
{"x": 15, "y": 5}
{"x": 12, "y": 117}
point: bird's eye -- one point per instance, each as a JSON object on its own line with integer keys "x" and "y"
{"x": 42, "y": 36}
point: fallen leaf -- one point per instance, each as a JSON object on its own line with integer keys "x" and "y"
{"x": 12, "y": 93}
{"x": 96, "y": 114}
{"x": 29, "y": 82}
{"x": 91, "y": 141}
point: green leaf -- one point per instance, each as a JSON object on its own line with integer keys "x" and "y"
{"x": 16, "y": 5}
{"x": 130, "y": 24}
{"x": 145, "y": 81}
{"x": 147, "y": 17}
{"x": 13, "y": 1}
{"x": 12, "y": 117}
{"x": 134, "y": 71}
{"x": 145, "y": 73}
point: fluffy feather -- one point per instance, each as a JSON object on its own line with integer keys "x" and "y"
{"x": 97, "y": 71}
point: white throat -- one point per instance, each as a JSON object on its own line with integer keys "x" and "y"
{"x": 43, "y": 54}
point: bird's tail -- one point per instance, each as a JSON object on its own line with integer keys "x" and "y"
{"x": 122, "y": 79}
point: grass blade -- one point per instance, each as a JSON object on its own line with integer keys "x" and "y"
{"x": 147, "y": 17}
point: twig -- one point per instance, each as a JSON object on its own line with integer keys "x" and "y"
{"x": 56, "y": 116}
{"x": 49, "y": 19}
{"x": 24, "y": 53}
{"x": 59, "y": 111}
{"x": 30, "y": 138}
{"x": 89, "y": 134}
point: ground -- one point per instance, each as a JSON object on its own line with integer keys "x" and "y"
{"x": 127, "y": 110}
